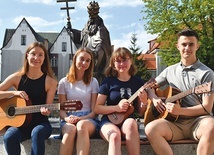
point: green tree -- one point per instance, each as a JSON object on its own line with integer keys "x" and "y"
{"x": 141, "y": 68}
{"x": 166, "y": 18}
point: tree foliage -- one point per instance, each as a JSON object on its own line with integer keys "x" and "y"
{"x": 141, "y": 68}
{"x": 166, "y": 18}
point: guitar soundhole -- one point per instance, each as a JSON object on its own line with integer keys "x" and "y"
{"x": 11, "y": 111}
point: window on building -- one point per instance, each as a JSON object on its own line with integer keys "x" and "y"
{"x": 64, "y": 46}
{"x": 23, "y": 39}
{"x": 54, "y": 62}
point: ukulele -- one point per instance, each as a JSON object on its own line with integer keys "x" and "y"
{"x": 17, "y": 112}
{"x": 171, "y": 95}
{"x": 118, "y": 117}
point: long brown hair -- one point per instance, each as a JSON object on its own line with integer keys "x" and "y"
{"x": 123, "y": 53}
{"x": 46, "y": 67}
{"x": 71, "y": 75}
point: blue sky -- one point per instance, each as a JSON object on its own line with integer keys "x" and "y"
{"x": 121, "y": 17}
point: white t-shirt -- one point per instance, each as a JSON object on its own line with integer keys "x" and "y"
{"x": 79, "y": 91}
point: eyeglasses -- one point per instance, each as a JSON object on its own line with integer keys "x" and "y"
{"x": 121, "y": 60}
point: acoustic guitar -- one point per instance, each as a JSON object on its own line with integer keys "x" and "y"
{"x": 118, "y": 117}
{"x": 17, "y": 112}
{"x": 171, "y": 95}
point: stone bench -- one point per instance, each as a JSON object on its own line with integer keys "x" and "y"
{"x": 100, "y": 147}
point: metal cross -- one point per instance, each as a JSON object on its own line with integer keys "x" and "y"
{"x": 67, "y": 8}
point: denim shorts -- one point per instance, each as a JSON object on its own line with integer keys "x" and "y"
{"x": 95, "y": 121}
{"x": 104, "y": 120}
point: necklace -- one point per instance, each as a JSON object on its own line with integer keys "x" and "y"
{"x": 34, "y": 77}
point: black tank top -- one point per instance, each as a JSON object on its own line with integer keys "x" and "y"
{"x": 35, "y": 88}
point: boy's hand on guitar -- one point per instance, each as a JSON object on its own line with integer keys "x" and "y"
{"x": 173, "y": 108}
{"x": 142, "y": 94}
{"x": 159, "y": 105}
{"x": 123, "y": 105}
{"x": 45, "y": 111}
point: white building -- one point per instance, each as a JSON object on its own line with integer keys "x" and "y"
{"x": 60, "y": 47}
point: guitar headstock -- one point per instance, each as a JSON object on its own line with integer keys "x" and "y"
{"x": 149, "y": 83}
{"x": 71, "y": 105}
{"x": 204, "y": 88}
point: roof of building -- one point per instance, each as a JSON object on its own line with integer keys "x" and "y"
{"x": 8, "y": 34}
{"x": 41, "y": 36}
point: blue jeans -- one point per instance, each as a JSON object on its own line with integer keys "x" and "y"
{"x": 14, "y": 136}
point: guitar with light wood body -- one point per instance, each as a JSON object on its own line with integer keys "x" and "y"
{"x": 172, "y": 95}
{"x": 17, "y": 112}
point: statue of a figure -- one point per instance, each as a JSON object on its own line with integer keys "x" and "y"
{"x": 96, "y": 37}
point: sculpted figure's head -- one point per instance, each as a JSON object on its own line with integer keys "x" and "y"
{"x": 93, "y": 9}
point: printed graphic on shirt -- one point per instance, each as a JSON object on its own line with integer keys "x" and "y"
{"x": 125, "y": 93}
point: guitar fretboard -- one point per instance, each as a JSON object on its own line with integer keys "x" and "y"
{"x": 36, "y": 108}
{"x": 131, "y": 99}
{"x": 179, "y": 96}
{"x": 146, "y": 85}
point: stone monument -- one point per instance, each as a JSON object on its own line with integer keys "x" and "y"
{"x": 96, "y": 37}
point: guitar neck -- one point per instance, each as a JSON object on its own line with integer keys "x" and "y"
{"x": 179, "y": 96}
{"x": 36, "y": 108}
{"x": 146, "y": 85}
{"x": 131, "y": 99}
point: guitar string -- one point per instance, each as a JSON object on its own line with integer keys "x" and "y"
{"x": 36, "y": 108}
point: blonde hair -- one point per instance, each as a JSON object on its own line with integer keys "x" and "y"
{"x": 123, "y": 53}
{"x": 71, "y": 75}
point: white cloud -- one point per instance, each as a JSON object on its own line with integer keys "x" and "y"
{"x": 105, "y": 15}
{"x": 120, "y": 43}
{"x": 48, "y": 2}
{"x": 62, "y": 14}
{"x": 115, "y": 3}
{"x": 78, "y": 21}
{"x": 110, "y": 3}
{"x": 37, "y": 22}
{"x": 83, "y": 3}
{"x": 142, "y": 40}
{"x": 129, "y": 26}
